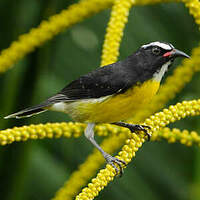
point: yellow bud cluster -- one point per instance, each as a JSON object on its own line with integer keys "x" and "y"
{"x": 107, "y": 175}
{"x": 118, "y": 19}
{"x": 95, "y": 160}
{"x": 174, "y": 113}
{"x": 194, "y": 9}
{"x": 156, "y": 122}
{"x": 53, "y": 130}
{"x": 48, "y": 29}
{"x": 88, "y": 169}
{"x": 176, "y": 135}
{"x": 57, "y": 23}
{"x": 40, "y": 131}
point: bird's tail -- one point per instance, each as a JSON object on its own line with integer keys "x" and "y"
{"x": 42, "y": 107}
{"x": 34, "y": 110}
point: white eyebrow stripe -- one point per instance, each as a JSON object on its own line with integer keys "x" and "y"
{"x": 159, "y": 44}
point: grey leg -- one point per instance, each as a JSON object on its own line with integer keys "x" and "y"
{"x": 89, "y": 134}
{"x": 134, "y": 127}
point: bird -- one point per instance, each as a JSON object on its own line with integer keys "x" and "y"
{"x": 113, "y": 93}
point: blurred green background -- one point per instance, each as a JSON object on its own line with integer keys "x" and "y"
{"x": 37, "y": 169}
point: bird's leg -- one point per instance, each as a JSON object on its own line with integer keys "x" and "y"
{"x": 89, "y": 134}
{"x": 134, "y": 127}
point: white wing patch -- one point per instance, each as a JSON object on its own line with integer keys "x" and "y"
{"x": 157, "y": 76}
{"x": 159, "y": 44}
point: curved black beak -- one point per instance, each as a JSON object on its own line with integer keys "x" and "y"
{"x": 177, "y": 53}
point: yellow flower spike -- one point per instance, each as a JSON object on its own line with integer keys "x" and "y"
{"x": 118, "y": 19}
{"x": 54, "y": 130}
{"x": 107, "y": 175}
{"x": 48, "y": 29}
{"x": 94, "y": 161}
{"x": 176, "y": 135}
{"x": 34, "y": 132}
{"x": 89, "y": 167}
{"x": 194, "y": 8}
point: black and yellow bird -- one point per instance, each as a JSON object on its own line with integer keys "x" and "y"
{"x": 113, "y": 93}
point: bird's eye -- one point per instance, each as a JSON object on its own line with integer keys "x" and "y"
{"x": 156, "y": 51}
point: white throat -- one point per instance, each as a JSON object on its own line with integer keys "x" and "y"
{"x": 157, "y": 76}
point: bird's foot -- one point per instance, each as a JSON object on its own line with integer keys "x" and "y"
{"x": 136, "y": 127}
{"x": 113, "y": 161}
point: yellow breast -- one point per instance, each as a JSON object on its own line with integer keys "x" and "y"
{"x": 117, "y": 107}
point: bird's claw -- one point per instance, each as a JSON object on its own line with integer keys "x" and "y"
{"x": 141, "y": 128}
{"x": 112, "y": 161}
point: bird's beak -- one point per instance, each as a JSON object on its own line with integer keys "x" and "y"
{"x": 176, "y": 53}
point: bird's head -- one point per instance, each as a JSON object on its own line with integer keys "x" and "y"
{"x": 158, "y": 56}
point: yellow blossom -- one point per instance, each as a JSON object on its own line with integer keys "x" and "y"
{"x": 118, "y": 19}
{"x": 89, "y": 167}
{"x": 26, "y": 43}
{"x": 48, "y": 29}
{"x": 40, "y": 131}
{"x": 185, "y": 137}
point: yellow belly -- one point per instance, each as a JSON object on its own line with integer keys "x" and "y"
{"x": 118, "y": 107}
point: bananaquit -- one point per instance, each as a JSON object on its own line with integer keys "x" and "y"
{"x": 113, "y": 93}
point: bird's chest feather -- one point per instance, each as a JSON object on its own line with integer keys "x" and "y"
{"x": 117, "y": 107}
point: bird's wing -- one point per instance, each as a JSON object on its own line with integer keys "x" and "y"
{"x": 99, "y": 83}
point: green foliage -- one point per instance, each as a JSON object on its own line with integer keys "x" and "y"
{"x": 37, "y": 169}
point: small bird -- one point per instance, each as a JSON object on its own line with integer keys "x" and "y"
{"x": 112, "y": 93}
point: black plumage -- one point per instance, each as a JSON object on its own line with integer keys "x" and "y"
{"x": 114, "y": 78}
